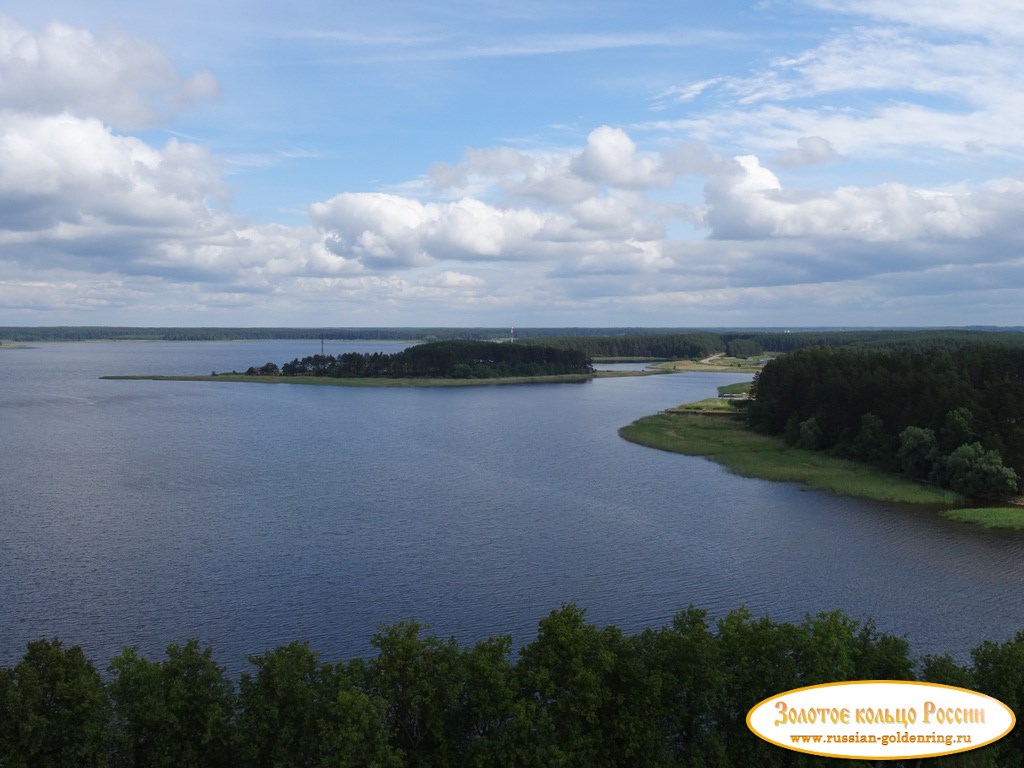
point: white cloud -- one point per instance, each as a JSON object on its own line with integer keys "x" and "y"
{"x": 123, "y": 81}
{"x": 989, "y": 18}
{"x": 69, "y": 171}
{"x": 751, "y": 203}
{"x": 611, "y": 158}
{"x": 389, "y": 231}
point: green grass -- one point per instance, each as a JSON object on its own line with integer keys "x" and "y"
{"x": 990, "y": 517}
{"x": 747, "y": 453}
{"x": 720, "y": 364}
{"x": 742, "y": 388}
{"x": 715, "y": 405}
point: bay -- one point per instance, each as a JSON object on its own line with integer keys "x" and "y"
{"x": 249, "y": 515}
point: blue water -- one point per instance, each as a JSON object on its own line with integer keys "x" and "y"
{"x": 248, "y": 515}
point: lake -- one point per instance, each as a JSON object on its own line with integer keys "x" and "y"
{"x": 249, "y": 515}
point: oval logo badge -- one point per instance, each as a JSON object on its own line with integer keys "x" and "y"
{"x": 881, "y": 719}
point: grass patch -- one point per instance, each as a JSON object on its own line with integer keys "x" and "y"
{"x": 990, "y": 517}
{"x": 750, "y": 454}
{"x": 742, "y": 388}
{"x": 708, "y": 405}
{"x": 721, "y": 364}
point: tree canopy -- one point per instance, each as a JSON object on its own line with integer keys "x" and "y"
{"x": 953, "y": 417}
{"x": 457, "y": 359}
{"x": 577, "y": 695}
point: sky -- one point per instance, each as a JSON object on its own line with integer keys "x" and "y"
{"x": 770, "y": 163}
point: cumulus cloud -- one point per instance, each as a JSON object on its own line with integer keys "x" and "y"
{"x": 389, "y": 231}
{"x": 611, "y": 158}
{"x": 120, "y": 80}
{"x": 61, "y": 172}
{"x": 750, "y": 202}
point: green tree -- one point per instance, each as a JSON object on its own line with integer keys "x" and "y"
{"x": 286, "y": 708}
{"x": 759, "y": 660}
{"x": 357, "y": 735}
{"x": 53, "y": 710}
{"x": 958, "y": 429}
{"x": 172, "y": 713}
{"x": 918, "y": 452}
{"x": 972, "y": 471}
{"x": 811, "y": 437}
{"x": 566, "y": 676}
{"x": 686, "y": 662}
{"x": 998, "y": 670}
{"x": 421, "y": 680}
{"x": 873, "y": 443}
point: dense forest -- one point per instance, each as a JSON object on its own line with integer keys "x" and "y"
{"x": 456, "y": 359}
{"x": 578, "y": 695}
{"x": 695, "y": 345}
{"x": 952, "y": 416}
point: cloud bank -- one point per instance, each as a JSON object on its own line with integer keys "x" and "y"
{"x": 867, "y": 179}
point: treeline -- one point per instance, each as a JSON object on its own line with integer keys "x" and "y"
{"x": 578, "y": 695}
{"x": 602, "y": 342}
{"x": 118, "y": 333}
{"x": 696, "y": 345}
{"x": 953, "y": 417}
{"x": 457, "y": 359}
{"x": 655, "y": 345}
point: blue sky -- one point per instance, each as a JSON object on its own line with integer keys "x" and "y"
{"x": 774, "y": 163}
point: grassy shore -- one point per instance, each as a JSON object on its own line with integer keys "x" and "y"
{"x": 328, "y": 381}
{"x": 747, "y": 453}
{"x": 715, "y": 363}
{"x": 990, "y": 517}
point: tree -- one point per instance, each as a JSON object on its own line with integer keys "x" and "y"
{"x": 958, "y": 429}
{"x": 759, "y": 661}
{"x": 690, "y": 676}
{"x": 53, "y": 710}
{"x": 564, "y": 674}
{"x": 918, "y": 452}
{"x": 172, "y": 713}
{"x": 811, "y": 436}
{"x": 976, "y": 473}
{"x": 999, "y": 671}
{"x": 286, "y": 708}
{"x": 873, "y": 443}
{"x": 420, "y": 679}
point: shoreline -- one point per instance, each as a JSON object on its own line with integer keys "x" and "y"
{"x": 725, "y": 439}
{"x": 382, "y": 382}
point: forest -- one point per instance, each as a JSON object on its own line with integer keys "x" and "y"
{"x": 455, "y": 359}
{"x": 577, "y": 695}
{"x": 949, "y": 415}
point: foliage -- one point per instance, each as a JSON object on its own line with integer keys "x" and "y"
{"x": 577, "y": 695}
{"x": 972, "y": 471}
{"x": 934, "y": 404}
{"x": 454, "y": 359}
{"x": 176, "y": 712}
{"x": 53, "y": 710}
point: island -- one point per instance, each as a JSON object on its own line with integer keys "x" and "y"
{"x": 456, "y": 362}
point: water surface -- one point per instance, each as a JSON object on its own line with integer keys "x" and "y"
{"x": 249, "y": 515}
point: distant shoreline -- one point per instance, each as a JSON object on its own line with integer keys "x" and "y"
{"x": 384, "y": 382}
